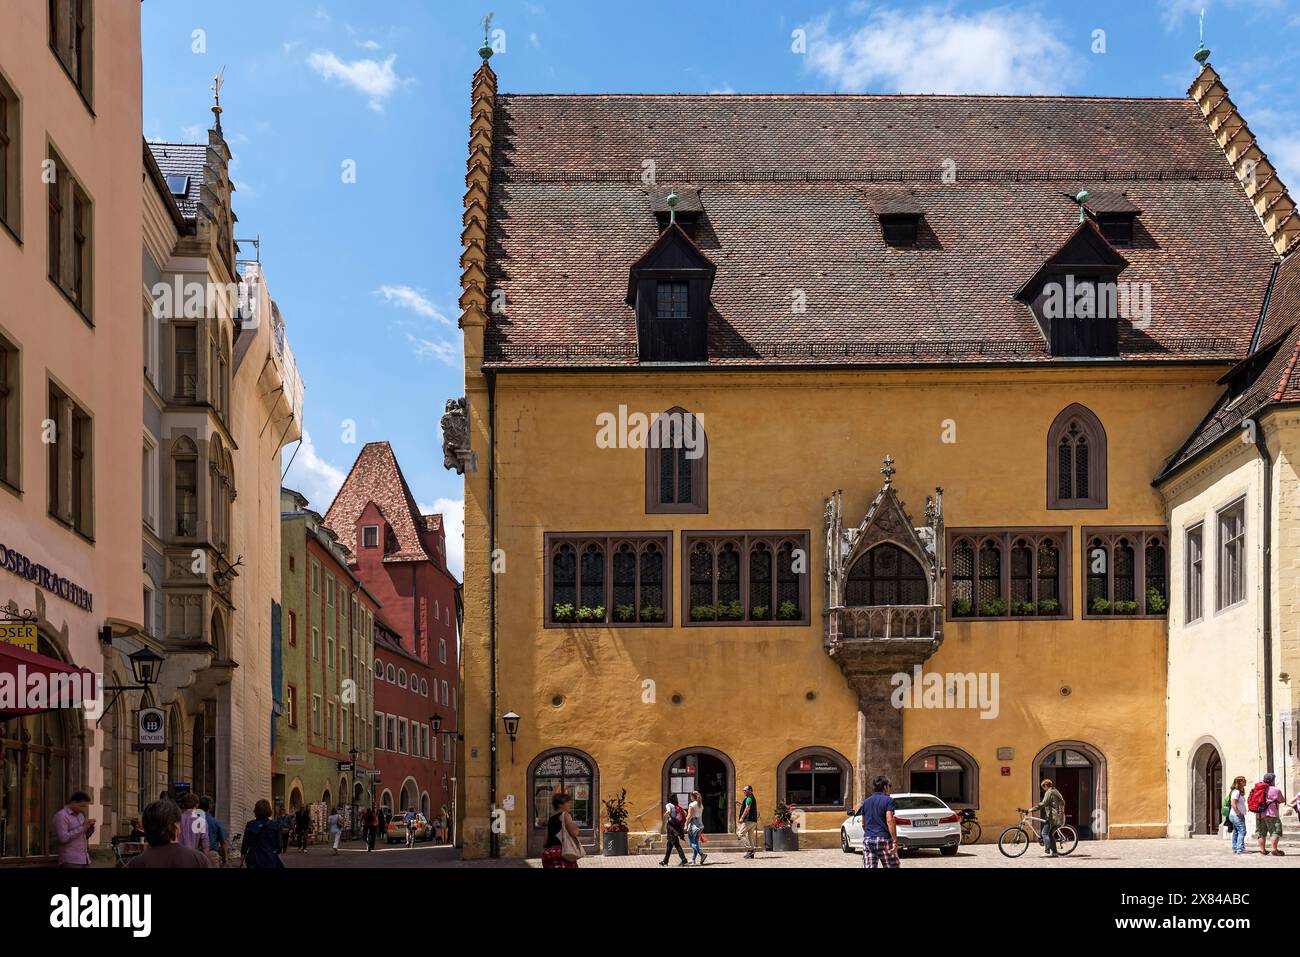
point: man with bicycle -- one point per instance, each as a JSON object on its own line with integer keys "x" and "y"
{"x": 1053, "y": 807}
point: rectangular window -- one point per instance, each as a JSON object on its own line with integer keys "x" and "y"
{"x": 293, "y": 629}
{"x": 185, "y": 387}
{"x": 1195, "y": 547}
{"x": 992, "y": 573}
{"x": 370, "y": 536}
{"x": 442, "y": 651}
{"x": 70, "y": 244}
{"x": 610, "y": 580}
{"x": 315, "y": 714}
{"x": 1232, "y": 555}
{"x": 446, "y": 699}
{"x": 71, "y": 36}
{"x": 1125, "y": 572}
{"x": 315, "y": 643}
{"x": 315, "y": 578}
{"x": 187, "y": 498}
{"x": 391, "y": 723}
{"x": 446, "y": 747}
{"x": 148, "y": 481}
{"x": 329, "y": 591}
{"x": 291, "y": 706}
{"x": 331, "y": 717}
{"x": 672, "y": 300}
{"x": 10, "y": 166}
{"x": 379, "y": 731}
{"x": 10, "y": 432}
{"x": 329, "y": 651}
{"x": 402, "y": 725}
{"x": 745, "y": 578}
{"x": 70, "y": 491}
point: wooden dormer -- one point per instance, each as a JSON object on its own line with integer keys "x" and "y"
{"x": 669, "y": 287}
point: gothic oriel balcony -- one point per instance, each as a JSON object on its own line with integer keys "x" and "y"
{"x": 886, "y": 622}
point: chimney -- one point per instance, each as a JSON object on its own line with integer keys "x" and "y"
{"x": 1258, "y": 177}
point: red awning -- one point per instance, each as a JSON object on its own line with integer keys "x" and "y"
{"x": 32, "y": 683}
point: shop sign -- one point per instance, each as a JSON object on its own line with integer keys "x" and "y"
{"x": 22, "y": 634}
{"x": 23, "y": 567}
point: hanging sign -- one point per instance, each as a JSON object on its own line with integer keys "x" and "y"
{"x": 22, "y": 634}
{"x": 151, "y": 730}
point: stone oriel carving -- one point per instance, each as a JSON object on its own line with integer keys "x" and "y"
{"x": 456, "y": 451}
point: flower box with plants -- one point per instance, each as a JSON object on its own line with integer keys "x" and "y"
{"x": 781, "y": 835}
{"x": 563, "y": 612}
{"x": 993, "y": 607}
{"x": 614, "y": 834}
{"x": 1049, "y": 606}
{"x": 962, "y": 607}
{"x": 1022, "y": 608}
{"x": 1099, "y": 606}
{"x": 1157, "y": 604}
{"x": 788, "y": 611}
{"x": 590, "y": 614}
{"x": 652, "y": 613}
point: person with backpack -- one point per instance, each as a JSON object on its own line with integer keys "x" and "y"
{"x": 1234, "y": 809}
{"x": 747, "y": 821}
{"x": 1265, "y": 801}
{"x": 675, "y": 828}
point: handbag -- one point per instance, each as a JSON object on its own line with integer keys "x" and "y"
{"x": 570, "y": 849}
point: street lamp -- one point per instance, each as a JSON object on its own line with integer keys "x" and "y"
{"x": 145, "y": 665}
{"x": 511, "y": 721}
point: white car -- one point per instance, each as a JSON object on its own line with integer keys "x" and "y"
{"x": 922, "y": 821}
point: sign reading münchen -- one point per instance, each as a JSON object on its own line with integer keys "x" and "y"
{"x": 68, "y": 590}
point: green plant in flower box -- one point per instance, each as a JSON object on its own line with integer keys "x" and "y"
{"x": 563, "y": 612}
{"x": 787, "y": 611}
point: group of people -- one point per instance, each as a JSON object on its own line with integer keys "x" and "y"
{"x": 1265, "y": 800}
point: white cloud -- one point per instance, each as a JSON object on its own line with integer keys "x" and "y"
{"x": 444, "y": 350}
{"x": 368, "y": 44}
{"x": 407, "y": 298}
{"x": 453, "y": 523}
{"x": 317, "y": 479}
{"x": 533, "y": 41}
{"x": 375, "y": 79}
{"x": 726, "y": 88}
{"x": 193, "y": 132}
{"x": 934, "y": 50}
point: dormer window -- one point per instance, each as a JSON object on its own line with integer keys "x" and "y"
{"x": 899, "y": 230}
{"x": 1118, "y": 229}
{"x": 672, "y": 300}
{"x": 369, "y": 536}
{"x": 900, "y": 217}
{"x": 1115, "y": 215}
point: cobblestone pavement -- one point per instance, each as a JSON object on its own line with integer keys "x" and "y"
{"x": 1205, "y": 852}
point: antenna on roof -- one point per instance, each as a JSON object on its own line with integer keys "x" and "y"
{"x": 1202, "y": 52}
{"x": 672, "y": 208}
{"x": 1081, "y": 198}
{"x": 485, "y": 51}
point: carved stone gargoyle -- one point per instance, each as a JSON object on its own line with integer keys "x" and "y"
{"x": 456, "y": 451}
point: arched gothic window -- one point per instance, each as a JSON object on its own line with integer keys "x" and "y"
{"x": 887, "y": 575}
{"x": 1076, "y": 460}
{"x": 676, "y": 465}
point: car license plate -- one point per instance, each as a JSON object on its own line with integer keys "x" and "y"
{"x": 922, "y": 822}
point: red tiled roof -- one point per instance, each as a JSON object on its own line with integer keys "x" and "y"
{"x": 789, "y": 185}
{"x": 376, "y": 477}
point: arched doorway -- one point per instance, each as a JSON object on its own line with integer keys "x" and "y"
{"x": 569, "y": 771}
{"x": 409, "y": 796}
{"x": 295, "y": 800}
{"x": 712, "y": 774}
{"x": 1207, "y": 789}
{"x": 1078, "y": 771}
{"x": 325, "y": 799}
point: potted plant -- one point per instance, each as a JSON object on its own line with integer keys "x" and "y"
{"x": 703, "y": 613}
{"x": 759, "y": 613}
{"x": 780, "y": 835}
{"x": 563, "y": 612}
{"x": 1049, "y": 606}
{"x": 1100, "y": 606}
{"x": 1125, "y": 607}
{"x": 731, "y": 611}
{"x": 961, "y": 607}
{"x": 652, "y": 613}
{"x": 625, "y": 613}
{"x": 614, "y": 838}
{"x": 787, "y": 611}
{"x": 1023, "y": 608}
{"x": 588, "y": 613}
{"x": 1157, "y": 604}
{"x": 993, "y": 607}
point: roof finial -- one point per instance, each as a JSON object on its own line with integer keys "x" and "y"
{"x": 1081, "y": 198}
{"x": 218, "y": 82}
{"x": 1202, "y": 52}
{"x": 672, "y": 208}
{"x": 888, "y": 470}
{"x": 485, "y": 51}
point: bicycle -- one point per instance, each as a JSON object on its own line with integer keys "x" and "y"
{"x": 970, "y": 828}
{"x": 1015, "y": 840}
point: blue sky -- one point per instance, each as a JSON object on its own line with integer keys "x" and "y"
{"x": 366, "y": 273}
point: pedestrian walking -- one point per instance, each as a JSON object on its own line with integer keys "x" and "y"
{"x": 370, "y": 827}
{"x": 675, "y": 829}
{"x": 302, "y": 827}
{"x": 1266, "y": 801}
{"x": 1237, "y": 813}
{"x": 879, "y": 828}
{"x": 161, "y": 821}
{"x": 559, "y": 825}
{"x": 194, "y": 824}
{"x": 1053, "y": 807}
{"x": 747, "y": 821}
{"x": 218, "y": 838}
{"x": 695, "y": 826}
{"x": 261, "y": 844}
{"x": 335, "y": 824}
{"x": 73, "y": 830}
{"x": 286, "y": 828}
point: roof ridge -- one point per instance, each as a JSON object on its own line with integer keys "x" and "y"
{"x": 1038, "y": 97}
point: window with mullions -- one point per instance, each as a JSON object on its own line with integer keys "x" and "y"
{"x": 677, "y": 465}
{"x": 1076, "y": 460}
{"x": 1232, "y": 556}
{"x": 734, "y": 578}
{"x": 608, "y": 579}
{"x": 1195, "y": 598}
{"x": 1126, "y": 572}
{"x": 1008, "y": 573}
{"x": 672, "y": 300}
{"x": 887, "y": 575}
{"x": 9, "y": 149}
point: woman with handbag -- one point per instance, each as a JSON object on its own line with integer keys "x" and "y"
{"x": 695, "y": 827}
{"x": 562, "y": 848}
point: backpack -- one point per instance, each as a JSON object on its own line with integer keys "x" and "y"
{"x": 1258, "y": 797}
{"x": 1226, "y": 809}
{"x": 679, "y": 815}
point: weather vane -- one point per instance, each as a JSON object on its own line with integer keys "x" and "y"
{"x": 1202, "y": 52}
{"x": 485, "y": 51}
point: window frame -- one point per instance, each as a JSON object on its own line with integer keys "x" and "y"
{"x": 365, "y": 531}
{"x": 699, "y": 503}
{"x": 745, "y": 540}
{"x": 967, "y": 762}
{"x": 1222, "y": 582}
{"x": 70, "y": 246}
{"x": 70, "y": 464}
{"x": 783, "y": 770}
{"x": 75, "y": 50}
{"x": 11, "y": 402}
{"x": 11, "y": 151}
{"x": 1006, "y": 537}
{"x": 609, "y": 541}
{"x": 1098, "y": 455}
{"x": 1140, "y": 534}
{"x": 1196, "y": 528}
